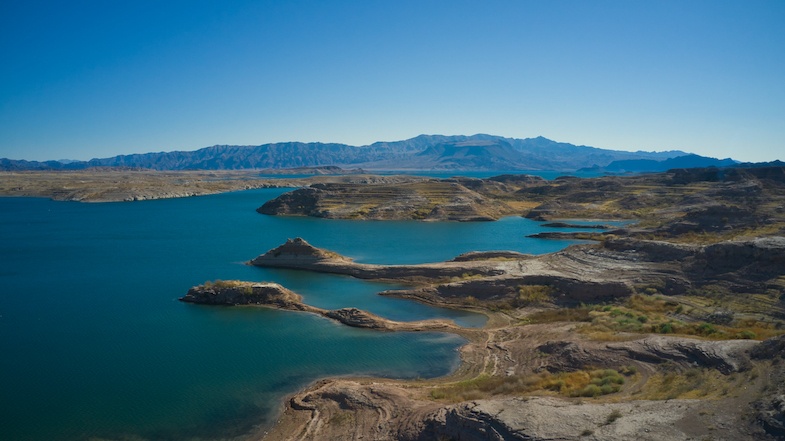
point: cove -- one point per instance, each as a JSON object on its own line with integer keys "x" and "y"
{"x": 94, "y": 343}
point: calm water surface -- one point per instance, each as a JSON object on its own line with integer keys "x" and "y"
{"x": 93, "y": 342}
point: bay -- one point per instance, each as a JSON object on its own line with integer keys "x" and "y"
{"x": 94, "y": 344}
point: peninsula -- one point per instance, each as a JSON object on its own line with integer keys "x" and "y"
{"x": 273, "y": 295}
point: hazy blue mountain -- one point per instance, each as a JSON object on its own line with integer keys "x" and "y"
{"x": 651, "y": 165}
{"x": 424, "y": 152}
{"x": 11, "y": 165}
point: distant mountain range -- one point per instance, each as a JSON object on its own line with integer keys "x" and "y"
{"x": 651, "y": 165}
{"x": 424, "y": 152}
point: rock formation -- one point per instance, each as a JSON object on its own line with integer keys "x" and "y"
{"x": 243, "y": 293}
{"x": 298, "y": 254}
{"x": 428, "y": 200}
{"x": 715, "y": 203}
{"x": 273, "y": 295}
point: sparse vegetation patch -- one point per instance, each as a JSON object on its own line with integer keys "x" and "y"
{"x": 583, "y": 383}
{"x": 647, "y": 314}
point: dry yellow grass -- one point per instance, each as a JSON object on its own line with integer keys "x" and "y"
{"x": 583, "y": 383}
{"x": 694, "y": 383}
{"x": 521, "y": 206}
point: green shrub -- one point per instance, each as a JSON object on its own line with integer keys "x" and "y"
{"x": 705, "y": 329}
{"x": 591, "y": 390}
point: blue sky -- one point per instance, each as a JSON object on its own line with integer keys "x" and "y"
{"x": 85, "y": 79}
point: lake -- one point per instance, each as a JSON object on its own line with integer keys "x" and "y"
{"x": 95, "y": 344}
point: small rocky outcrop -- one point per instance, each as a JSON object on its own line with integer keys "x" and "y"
{"x": 771, "y": 414}
{"x": 303, "y": 201}
{"x": 490, "y": 255}
{"x": 357, "y": 318}
{"x": 654, "y": 251}
{"x": 770, "y": 349}
{"x": 567, "y": 356}
{"x": 756, "y": 259}
{"x": 726, "y": 356}
{"x": 296, "y": 252}
{"x": 243, "y": 293}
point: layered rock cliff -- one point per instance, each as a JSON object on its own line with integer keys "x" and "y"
{"x": 429, "y": 200}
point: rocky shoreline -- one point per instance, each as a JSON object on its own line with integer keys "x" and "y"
{"x": 518, "y": 351}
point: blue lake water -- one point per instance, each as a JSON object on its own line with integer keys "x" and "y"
{"x": 93, "y": 342}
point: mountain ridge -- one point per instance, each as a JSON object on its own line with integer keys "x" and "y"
{"x": 423, "y": 152}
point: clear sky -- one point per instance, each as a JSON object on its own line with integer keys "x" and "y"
{"x": 85, "y": 79}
